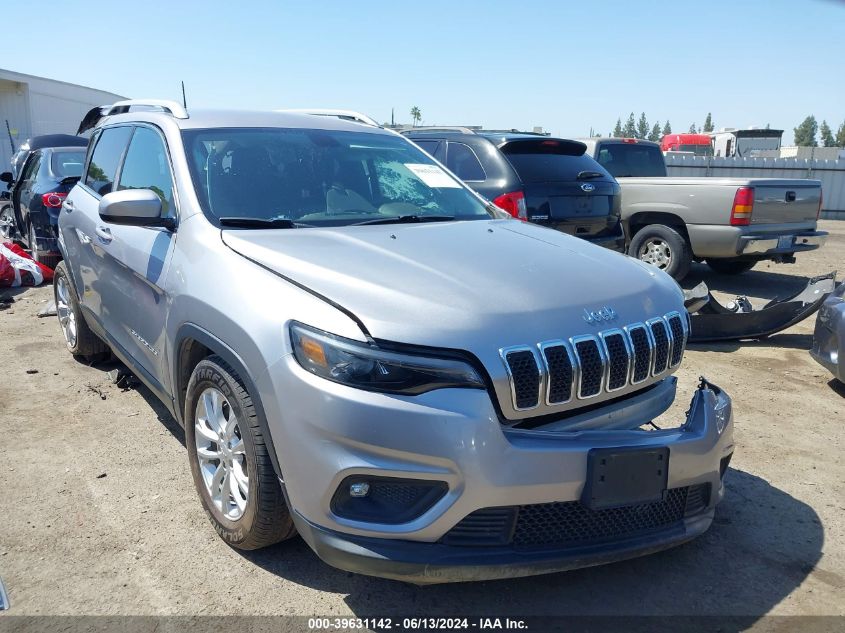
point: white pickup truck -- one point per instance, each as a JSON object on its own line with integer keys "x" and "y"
{"x": 731, "y": 223}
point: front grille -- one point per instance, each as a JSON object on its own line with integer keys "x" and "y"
{"x": 571, "y": 523}
{"x": 525, "y": 378}
{"x": 587, "y": 366}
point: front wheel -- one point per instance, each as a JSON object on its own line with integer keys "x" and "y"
{"x": 662, "y": 247}
{"x": 230, "y": 462}
{"x": 730, "y": 266}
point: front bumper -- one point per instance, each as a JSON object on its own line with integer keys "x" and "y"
{"x": 325, "y": 433}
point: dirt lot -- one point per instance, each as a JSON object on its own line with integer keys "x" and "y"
{"x": 100, "y": 514}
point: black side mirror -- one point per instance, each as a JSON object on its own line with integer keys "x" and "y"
{"x": 6, "y": 177}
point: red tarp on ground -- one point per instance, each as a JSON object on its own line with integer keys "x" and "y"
{"x": 18, "y": 269}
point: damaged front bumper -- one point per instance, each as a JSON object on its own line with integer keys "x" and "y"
{"x": 711, "y": 321}
{"x": 515, "y": 501}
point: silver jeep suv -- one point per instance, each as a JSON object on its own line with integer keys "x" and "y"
{"x": 364, "y": 351}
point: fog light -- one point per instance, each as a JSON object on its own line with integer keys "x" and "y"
{"x": 361, "y": 489}
{"x": 385, "y": 499}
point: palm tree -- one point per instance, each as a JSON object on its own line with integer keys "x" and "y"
{"x": 416, "y": 115}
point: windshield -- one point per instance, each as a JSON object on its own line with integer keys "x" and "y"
{"x": 626, "y": 160}
{"x": 64, "y": 164}
{"x": 321, "y": 177}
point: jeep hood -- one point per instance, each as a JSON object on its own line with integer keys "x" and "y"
{"x": 474, "y": 285}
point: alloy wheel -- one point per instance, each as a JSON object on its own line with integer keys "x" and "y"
{"x": 7, "y": 222}
{"x": 221, "y": 454}
{"x": 64, "y": 310}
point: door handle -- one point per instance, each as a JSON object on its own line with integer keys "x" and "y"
{"x": 104, "y": 233}
{"x": 67, "y": 205}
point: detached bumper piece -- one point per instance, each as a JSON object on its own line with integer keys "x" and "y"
{"x": 711, "y": 321}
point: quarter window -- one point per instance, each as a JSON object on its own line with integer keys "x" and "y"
{"x": 146, "y": 167}
{"x": 105, "y": 159}
{"x": 464, "y": 163}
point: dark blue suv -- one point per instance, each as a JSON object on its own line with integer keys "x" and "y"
{"x": 536, "y": 178}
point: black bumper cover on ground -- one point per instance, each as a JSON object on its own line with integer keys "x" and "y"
{"x": 711, "y": 321}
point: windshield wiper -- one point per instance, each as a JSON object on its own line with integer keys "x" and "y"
{"x": 408, "y": 219}
{"x": 588, "y": 175}
{"x": 259, "y": 223}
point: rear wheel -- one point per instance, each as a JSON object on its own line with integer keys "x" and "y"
{"x": 79, "y": 338}
{"x": 730, "y": 266}
{"x": 662, "y": 247}
{"x": 230, "y": 462}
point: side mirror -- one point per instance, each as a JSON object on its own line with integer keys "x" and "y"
{"x": 6, "y": 177}
{"x": 134, "y": 207}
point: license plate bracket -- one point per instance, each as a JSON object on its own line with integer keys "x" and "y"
{"x": 625, "y": 476}
{"x": 785, "y": 241}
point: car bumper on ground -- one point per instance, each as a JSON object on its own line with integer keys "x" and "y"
{"x": 452, "y": 440}
{"x": 829, "y": 337}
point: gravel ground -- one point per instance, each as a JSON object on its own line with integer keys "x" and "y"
{"x": 100, "y": 514}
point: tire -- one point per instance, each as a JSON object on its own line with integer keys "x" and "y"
{"x": 8, "y": 228}
{"x": 221, "y": 420}
{"x": 79, "y": 338}
{"x": 663, "y": 247}
{"x": 730, "y": 266}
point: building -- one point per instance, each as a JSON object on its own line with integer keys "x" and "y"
{"x": 30, "y": 106}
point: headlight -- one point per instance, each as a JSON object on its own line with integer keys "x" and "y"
{"x": 365, "y": 367}
{"x": 722, "y": 411}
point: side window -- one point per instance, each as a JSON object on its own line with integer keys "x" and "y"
{"x": 105, "y": 159}
{"x": 146, "y": 167}
{"x": 31, "y": 168}
{"x": 463, "y": 162}
{"x": 429, "y": 145}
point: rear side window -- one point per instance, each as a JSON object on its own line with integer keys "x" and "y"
{"x": 551, "y": 161}
{"x": 429, "y": 146}
{"x": 147, "y": 167}
{"x": 464, "y": 163}
{"x": 625, "y": 160}
{"x": 105, "y": 159}
{"x": 31, "y": 168}
{"x": 67, "y": 164}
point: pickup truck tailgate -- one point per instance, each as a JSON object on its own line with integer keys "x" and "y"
{"x": 779, "y": 201}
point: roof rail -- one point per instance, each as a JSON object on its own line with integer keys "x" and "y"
{"x": 173, "y": 108}
{"x": 440, "y": 128}
{"x": 349, "y": 115}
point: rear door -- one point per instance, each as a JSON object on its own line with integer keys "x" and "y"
{"x": 134, "y": 260}
{"x": 564, "y": 188}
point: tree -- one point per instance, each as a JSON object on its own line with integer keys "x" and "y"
{"x": 630, "y": 129}
{"x": 840, "y": 135}
{"x": 692, "y": 129}
{"x": 805, "y": 134}
{"x": 617, "y": 131}
{"x": 667, "y": 129}
{"x": 654, "y": 135}
{"x": 826, "y": 135}
{"x": 642, "y": 126}
{"x": 708, "y": 124}
{"x": 416, "y": 115}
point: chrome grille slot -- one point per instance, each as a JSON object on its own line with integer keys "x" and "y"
{"x": 552, "y": 373}
{"x": 560, "y": 370}
{"x": 591, "y": 360}
{"x": 679, "y": 338}
{"x": 643, "y": 351}
{"x": 660, "y": 335}
{"x": 525, "y": 377}
{"x": 619, "y": 357}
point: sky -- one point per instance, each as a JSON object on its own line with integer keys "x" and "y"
{"x": 565, "y": 65}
